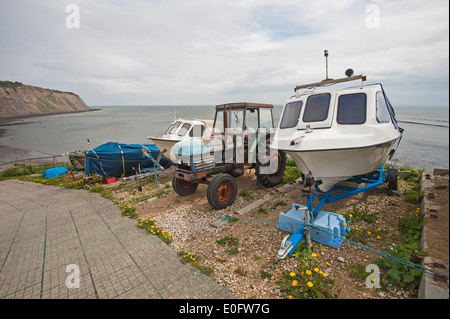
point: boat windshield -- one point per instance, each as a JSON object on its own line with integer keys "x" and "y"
{"x": 316, "y": 109}
{"x": 352, "y": 108}
{"x": 168, "y": 130}
{"x": 184, "y": 129}
{"x": 174, "y": 127}
{"x": 382, "y": 109}
{"x": 291, "y": 114}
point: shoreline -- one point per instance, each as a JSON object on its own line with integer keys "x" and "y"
{"x": 5, "y": 119}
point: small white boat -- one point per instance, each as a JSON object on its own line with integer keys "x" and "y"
{"x": 335, "y": 134}
{"x": 179, "y": 130}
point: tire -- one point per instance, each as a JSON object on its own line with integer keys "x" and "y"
{"x": 183, "y": 188}
{"x": 222, "y": 191}
{"x": 237, "y": 172}
{"x": 270, "y": 180}
{"x": 392, "y": 178}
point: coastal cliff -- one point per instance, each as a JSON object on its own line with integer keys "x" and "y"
{"x": 18, "y": 99}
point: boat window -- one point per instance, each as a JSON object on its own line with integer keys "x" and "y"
{"x": 175, "y": 127}
{"x": 183, "y": 130}
{"x": 291, "y": 114}
{"x": 352, "y": 109}
{"x": 316, "y": 109}
{"x": 197, "y": 131}
{"x": 265, "y": 118}
{"x": 382, "y": 109}
{"x": 170, "y": 127}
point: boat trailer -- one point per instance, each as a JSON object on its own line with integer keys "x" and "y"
{"x": 326, "y": 227}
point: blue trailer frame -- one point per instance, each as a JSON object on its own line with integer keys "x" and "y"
{"x": 288, "y": 246}
{"x": 373, "y": 180}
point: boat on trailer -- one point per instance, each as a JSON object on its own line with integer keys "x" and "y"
{"x": 333, "y": 134}
{"x": 179, "y": 130}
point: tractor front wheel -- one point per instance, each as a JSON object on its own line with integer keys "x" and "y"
{"x": 222, "y": 191}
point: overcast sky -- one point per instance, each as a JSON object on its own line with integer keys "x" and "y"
{"x": 142, "y": 52}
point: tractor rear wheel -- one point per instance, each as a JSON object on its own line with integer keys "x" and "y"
{"x": 183, "y": 188}
{"x": 273, "y": 179}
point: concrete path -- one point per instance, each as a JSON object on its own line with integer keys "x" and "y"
{"x": 50, "y": 234}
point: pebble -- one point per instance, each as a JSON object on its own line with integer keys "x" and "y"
{"x": 341, "y": 259}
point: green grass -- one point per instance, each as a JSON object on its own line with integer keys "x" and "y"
{"x": 15, "y": 172}
{"x": 228, "y": 241}
{"x": 246, "y": 195}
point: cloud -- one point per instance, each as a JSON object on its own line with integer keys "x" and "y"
{"x": 211, "y": 52}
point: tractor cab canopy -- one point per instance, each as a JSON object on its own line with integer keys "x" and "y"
{"x": 243, "y": 116}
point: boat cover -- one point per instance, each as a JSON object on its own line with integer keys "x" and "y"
{"x": 115, "y": 159}
{"x": 55, "y": 172}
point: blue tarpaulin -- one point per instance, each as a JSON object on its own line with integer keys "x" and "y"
{"x": 55, "y": 172}
{"x": 116, "y": 159}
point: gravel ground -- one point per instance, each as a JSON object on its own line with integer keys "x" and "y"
{"x": 250, "y": 268}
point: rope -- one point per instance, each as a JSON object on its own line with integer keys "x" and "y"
{"x": 315, "y": 228}
{"x": 156, "y": 177}
{"x": 123, "y": 161}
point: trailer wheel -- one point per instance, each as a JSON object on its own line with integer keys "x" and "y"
{"x": 222, "y": 191}
{"x": 183, "y": 188}
{"x": 270, "y": 180}
{"x": 392, "y": 178}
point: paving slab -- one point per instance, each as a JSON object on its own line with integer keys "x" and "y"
{"x": 58, "y": 243}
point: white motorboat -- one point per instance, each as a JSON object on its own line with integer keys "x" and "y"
{"x": 335, "y": 134}
{"x": 179, "y": 130}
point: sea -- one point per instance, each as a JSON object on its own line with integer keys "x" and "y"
{"x": 424, "y": 145}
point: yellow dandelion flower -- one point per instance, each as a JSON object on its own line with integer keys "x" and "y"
{"x": 378, "y": 237}
{"x": 350, "y": 215}
{"x": 325, "y": 274}
{"x": 310, "y": 284}
{"x": 369, "y": 232}
{"x": 294, "y": 283}
{"x": 316, "y": 269}
{"x": 308, "y": 272}
{"x": 290, "y": 297}
{"x": 327, "y": 263}
{"x": 314, "y": 255}
{"x": 292, "y": 274}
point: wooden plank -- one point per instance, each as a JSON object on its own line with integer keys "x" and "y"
{"x": 330, "y": 81}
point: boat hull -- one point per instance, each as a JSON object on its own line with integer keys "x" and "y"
{"x": 163, "y": 144}
{"x": 335, "y": 165}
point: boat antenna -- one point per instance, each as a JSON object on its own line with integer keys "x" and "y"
{"x": 174, "y": 114}
{"x": 325, "y": 53}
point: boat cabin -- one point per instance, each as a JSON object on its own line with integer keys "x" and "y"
{"x": 348, "y": 108}
{"x": 182, "y": 128}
